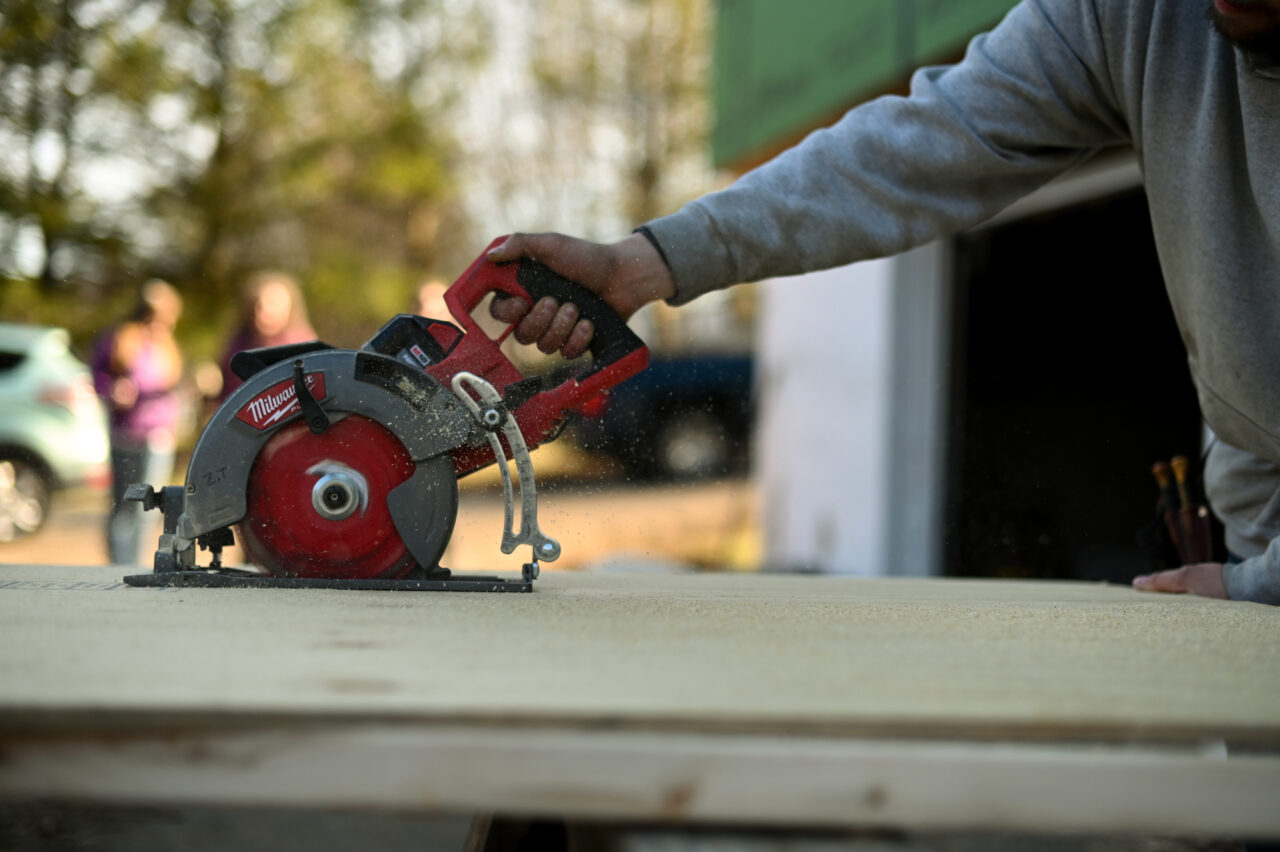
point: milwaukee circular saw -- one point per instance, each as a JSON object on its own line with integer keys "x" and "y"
{"x": 339, "y": 467}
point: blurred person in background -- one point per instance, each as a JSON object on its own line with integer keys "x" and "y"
{"x": 273, "y": 313}
{"x": 136, "y": 370}
{"x": 429, "y": 302}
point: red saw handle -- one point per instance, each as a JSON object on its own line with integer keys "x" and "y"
{"x": 532, "y": 281}
{"x": 617, "y": 353}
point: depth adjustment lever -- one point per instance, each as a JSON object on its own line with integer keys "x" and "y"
{"x": 491, "y": 414}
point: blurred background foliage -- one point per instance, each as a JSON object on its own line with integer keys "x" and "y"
{"x": 362, "y": 145}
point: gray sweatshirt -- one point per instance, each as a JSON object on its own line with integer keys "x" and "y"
{"x": 1056, "y": 81}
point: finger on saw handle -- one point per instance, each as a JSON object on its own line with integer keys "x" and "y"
{"x": 580, "y": 337}
{"x": 551, "y": 326}
{"x": 536, "y": 322}
{"x": 627, "y": 275}
{"x": 508, "y": 309}
{"x": 552, "y": 329}
{"x": 563, "y": 323}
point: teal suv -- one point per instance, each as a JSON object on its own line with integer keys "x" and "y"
{"x": 53, "y": 429}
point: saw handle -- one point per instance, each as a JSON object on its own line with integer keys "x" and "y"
{"x": 532, "y": 281}
{"x": 612, "y": 340}
{"x": 540, "y": 404}
{"x": 617, "y": 352}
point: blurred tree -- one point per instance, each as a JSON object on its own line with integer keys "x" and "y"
{"x": 333, "y": 156}
{"x": 605, "y": 107}
{"x": 667, "y": 111}
{"x": 57, "y": 237}
{"x": 199, "y": 139}
{"x": 606, "y": 110}
{"x": 360, "y": 144}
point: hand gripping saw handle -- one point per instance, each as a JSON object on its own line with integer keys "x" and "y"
{"x": 523, "y": 412}
{"x": 539, "y": 404}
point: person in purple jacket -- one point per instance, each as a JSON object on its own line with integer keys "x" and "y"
{"x": 136, "y": 370}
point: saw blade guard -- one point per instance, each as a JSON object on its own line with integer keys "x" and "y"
{"x": 366, "y": 493}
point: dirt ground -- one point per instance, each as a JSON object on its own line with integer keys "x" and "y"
{"x": 600, "y": 519}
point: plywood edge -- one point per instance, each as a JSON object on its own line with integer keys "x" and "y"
{"x": 53, "y": 724}
{"x": 671, "y": 777}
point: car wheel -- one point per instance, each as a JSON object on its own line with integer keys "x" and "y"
{"x": 25, "y": 494}
{"x": 692, "y": 444}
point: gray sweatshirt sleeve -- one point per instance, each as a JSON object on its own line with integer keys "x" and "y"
{"x": 1244, "y": 491}
{"x": 1031, "y": 99}
{"x": 1255, "y": 579}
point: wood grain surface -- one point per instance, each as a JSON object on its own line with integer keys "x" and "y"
{"x": 687, "y": 698}
{"x": 697, "y": 651}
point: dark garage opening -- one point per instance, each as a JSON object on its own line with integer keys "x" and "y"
{"x": 1068, "y": 381}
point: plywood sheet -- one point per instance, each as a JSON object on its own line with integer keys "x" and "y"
{"x": 704, "y": 652}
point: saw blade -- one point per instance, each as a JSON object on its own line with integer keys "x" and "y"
{"x": 317, "y": 505}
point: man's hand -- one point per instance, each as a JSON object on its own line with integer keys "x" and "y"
{"x": 1204, "y": 578}
{"x": 627, "y": 274}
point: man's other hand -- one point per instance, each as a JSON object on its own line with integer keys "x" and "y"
{"x": 1204, "y": 578}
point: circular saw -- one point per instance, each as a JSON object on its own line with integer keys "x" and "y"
{"x": 339, "y": 467}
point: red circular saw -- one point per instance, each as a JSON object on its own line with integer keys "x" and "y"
{"x": 339, "y": 467}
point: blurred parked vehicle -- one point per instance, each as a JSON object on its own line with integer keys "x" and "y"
{"x": 686, "y": 417}
{"x": 53, "y": 430}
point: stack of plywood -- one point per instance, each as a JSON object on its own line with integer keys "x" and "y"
{"x": 698, "y": 697}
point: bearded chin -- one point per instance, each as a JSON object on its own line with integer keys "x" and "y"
{"x": 1265, "y": 45}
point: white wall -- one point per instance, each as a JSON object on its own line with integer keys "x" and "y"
{"x": 822, "y": 434}
{"x": 852, "y": 400}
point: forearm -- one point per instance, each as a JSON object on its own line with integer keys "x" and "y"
{"x": 897, "y": 172}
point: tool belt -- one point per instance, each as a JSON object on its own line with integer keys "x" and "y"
{"x": 1183, "y": 531}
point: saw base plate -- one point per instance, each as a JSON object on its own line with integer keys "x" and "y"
{"x": 420, "y": 581}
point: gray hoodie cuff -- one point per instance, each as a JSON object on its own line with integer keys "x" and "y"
{"x": 1256, "y": 578}
{"x": 697, "y": 259}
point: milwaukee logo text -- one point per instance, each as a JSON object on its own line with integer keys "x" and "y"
{"x": 278, "y": 402}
